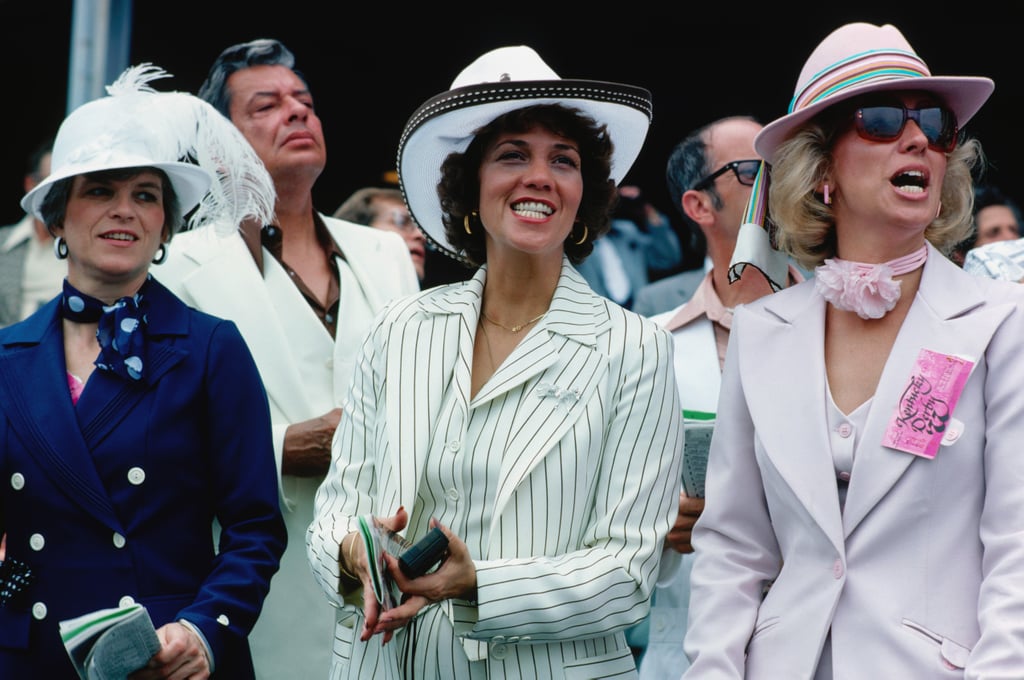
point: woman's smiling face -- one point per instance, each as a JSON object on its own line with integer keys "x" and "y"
{"x": 531, "y": 186}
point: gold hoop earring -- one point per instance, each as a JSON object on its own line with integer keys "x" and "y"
{"x": 586, "y": 232}
{"x": 465, "y": 222}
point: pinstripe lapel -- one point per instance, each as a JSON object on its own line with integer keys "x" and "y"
{"x": 429, "y": 359}
{"x": 561, "y": 351}
{"x": 559, "y": 358}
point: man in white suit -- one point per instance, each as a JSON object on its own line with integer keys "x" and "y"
{"x": 303, "y": 292}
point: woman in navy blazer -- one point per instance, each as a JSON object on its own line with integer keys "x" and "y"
{"x": 537, "y": 422}
{"x": 865, "y": 504}
{"x": 130, "y": 423}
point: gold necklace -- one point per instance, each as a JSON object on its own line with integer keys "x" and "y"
{"x": 487, "y": 344}
{"x": 514, "y": 329}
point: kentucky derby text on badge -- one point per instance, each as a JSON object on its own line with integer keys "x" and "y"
{"x": 927, "y": 402}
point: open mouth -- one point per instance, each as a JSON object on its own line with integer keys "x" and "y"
{"x": 912, "y": 181}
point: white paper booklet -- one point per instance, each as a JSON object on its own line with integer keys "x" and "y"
{"x": 108, "y": 644}
{"x": 698, "y": 428}
{"x": 378, "y": 539}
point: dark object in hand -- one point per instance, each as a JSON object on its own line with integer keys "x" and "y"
{"x": 15, "y": 578}
{"x": 424, "y": 554}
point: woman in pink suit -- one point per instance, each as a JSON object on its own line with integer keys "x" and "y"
{"x": 865, "y": 504}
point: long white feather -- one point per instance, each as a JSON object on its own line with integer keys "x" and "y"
{"x": 186, "y": 128}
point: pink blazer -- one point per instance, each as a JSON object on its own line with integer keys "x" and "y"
{"x": 921, "y": 575}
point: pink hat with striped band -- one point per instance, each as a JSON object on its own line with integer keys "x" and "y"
{"x": 859, "y": 58}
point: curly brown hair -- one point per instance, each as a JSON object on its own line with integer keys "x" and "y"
{"x": 459, "y": 188}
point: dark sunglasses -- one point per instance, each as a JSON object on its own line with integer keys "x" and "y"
{"x": 886, "y": 123}
{"x": 745, "y": 171}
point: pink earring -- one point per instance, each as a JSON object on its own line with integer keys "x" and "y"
{"x": 827, "y": 199}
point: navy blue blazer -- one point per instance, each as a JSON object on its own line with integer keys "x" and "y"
{"x": 113, "y": 500}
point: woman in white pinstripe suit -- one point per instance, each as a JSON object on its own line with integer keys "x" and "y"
{"x": 537, "y": 422}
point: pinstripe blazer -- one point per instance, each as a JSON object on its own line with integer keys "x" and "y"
{"x": 585, "y": 495}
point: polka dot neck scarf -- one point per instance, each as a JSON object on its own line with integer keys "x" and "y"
{"x": 121, "y": 332}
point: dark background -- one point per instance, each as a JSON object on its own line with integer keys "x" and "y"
{"x": 371, "y": 64}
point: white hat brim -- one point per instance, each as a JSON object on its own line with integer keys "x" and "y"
{"x": 447, "y": 123}
{"x": 190, "y": 182}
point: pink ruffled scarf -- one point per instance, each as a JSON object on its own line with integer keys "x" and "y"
{"x": 867, "y": 289}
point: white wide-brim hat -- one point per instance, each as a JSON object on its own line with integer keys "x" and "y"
{"x": 136, "y": 126}
{"x": 500, "y": 81}
{"x": 860, "y": 58}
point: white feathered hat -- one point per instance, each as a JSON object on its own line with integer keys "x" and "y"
{"x": 208, "y": 161}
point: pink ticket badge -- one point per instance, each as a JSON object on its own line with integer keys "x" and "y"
{"x": 926, "y": 405}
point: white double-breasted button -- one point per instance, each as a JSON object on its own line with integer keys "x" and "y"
{"x": 455, "y": 445}
{"x": 499, "y": 650}
{"x": 845, "y": 430}
{"x": 126, "y": 601}
{"x": 39, "y": 611}
{"x": 223, "y": 620}
{"x": 118, "y": 540}
{"x": 17, "y": 481}
{"x": 837, "y": 569}
{"x": 36, "y": 542}
{"x": 136, "y": 476}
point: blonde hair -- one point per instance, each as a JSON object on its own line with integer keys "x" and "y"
{"x": 804, "y": 227}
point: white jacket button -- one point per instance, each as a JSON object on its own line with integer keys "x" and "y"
{"x": 499, "y": 650}
{"x": 136, "y": 476}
